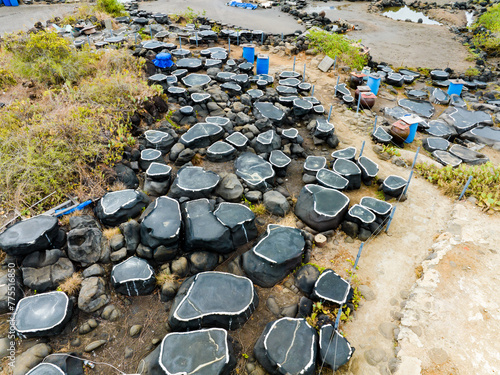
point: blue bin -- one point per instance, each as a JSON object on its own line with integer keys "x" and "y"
{"x": 6, "y": 2}
{"x": 249, "y": 53}
{"x": 262, "y": 64}
{"x": 374, "y": 82}
{"x": 455, "y": 87}
{"x": 413, "y": 121}
{"x": 14, "y": 3}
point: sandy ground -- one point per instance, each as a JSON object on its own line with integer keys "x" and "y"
{"x": 397, "y": 42}
{"x": 24, "y": 17}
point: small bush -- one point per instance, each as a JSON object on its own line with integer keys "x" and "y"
{"x": 49, "y": 58}
{"x": 6, "y": 78}
{"x": 485, "y": 184}
{"x": 112, "y": 7}
{"x": 336, "y": 45}
{"x": 487, "y": 31}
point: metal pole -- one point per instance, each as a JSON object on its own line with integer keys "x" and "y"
{"x": 238, "y": 38}
{"x": 262, "y": 38}
{"x": 415, "y": 159}
{"x": 337, "y": 320}
{"x": 312, "y": 93}
{"x": 408, "y": 183}
{"x": 330, "y": 113}
{"x": 151, "y": 31}
{"x": 375, "y": 124}
{"x": 304, "y": 74}
{"x": 335, "y": 63}
{"x": 294, "y": 63}
{"x": 281, "y": 36}
{"x": 390, "y": 219}
{"x": 465, "y": 188}
{"x": 362, "y": 148}
{"x": 338, "y": 79}
{"x": 359, "y": 101}
{"x": 229, "y": 46}
{"x": 358, "y": 256}
{"x": 197, "y": 39}
{"x": 180, "y": 43}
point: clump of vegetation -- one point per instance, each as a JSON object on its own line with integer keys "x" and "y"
{"x": 189, "y": 15}
{"x": 471, "y": 72}
{"x": 336, "y": 45}
{"x": 6, "y": 78}
{"x": 48, "y": 58}
{"x": 258, "y": 209}
{"x": 487, "y": 31}
{"x": 66, "y": 141}
{"x": 112, "y": 7}
{"x": 109, "y": 233}
{"x": 391, "y": 150}
{"x": 163, "y": 277}
{"x": 485, "y": 184}
{"x": 71, "y": 285}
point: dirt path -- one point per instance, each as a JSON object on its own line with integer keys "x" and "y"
{"x": 446, "y": 325}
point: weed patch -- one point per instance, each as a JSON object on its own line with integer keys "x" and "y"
{"x": 336, "y": 45}
{"x": 485, "y": 184}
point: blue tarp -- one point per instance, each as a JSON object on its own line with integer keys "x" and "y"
{"x": 242, "y": 5}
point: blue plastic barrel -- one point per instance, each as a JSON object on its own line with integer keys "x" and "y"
{"x": 455, "y": 87}
{"x": 262, "y": 64}
{"x": 413, "y": 127}
{"x": 374, "y": 82}
{"x": 7, "y": 3}
{"x": 14, "y": 3}
{"x": 249, "y": 52}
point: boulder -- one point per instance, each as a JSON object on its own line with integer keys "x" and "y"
{"x": 27, "y": 236}
{"x": 230, "y": 188}
{"x": 47, "y": 277}
{"x": 276, "y": 203}
{"x": 202, "y": 229}
{"x": 213, "y": 299}
{"x": 194, "y": 182}
{"x": 44, "y": 314}
{"x": 274, "y": 256}
{"x": 92, "y": 294}
{"x": 239, "y": 219}
{"x": 287, "y": 346}
{"x": 133, "y": 277}
{"x": 334, "y": 350}
{"x": 161, "y": 224}
{"x": 257, "y": 173}
{"x": 332, "y": 288}
{"x": 208, "y": 349}
{"x": 321, "y": 208}
{"x": 119, "y": 206}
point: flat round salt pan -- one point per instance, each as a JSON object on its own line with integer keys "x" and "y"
{"x": 41, "y": 312}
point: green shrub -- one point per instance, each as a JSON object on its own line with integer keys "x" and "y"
{"x": 336, "y": 45}
{"x": 6, "y": 78}
{"x": 66, "y": 141}
{"x": 489, "y": 41}
{"x": 112, "y": 7}
{"x": 485, "y": 184}
{"x": 48, "y": 58}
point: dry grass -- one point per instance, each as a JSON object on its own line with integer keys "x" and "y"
{"x": 3, "y": 255}
{"x": 109, "y": 233}
{"x": 289, "y": 220}
{"x": 117, "y": 186}
{"x": 72, "y": 284}
{"x": 64, "y": 220}
{"x": 163, "y": 277}
{"x": 259, "y": 209}
{"x": 197, "y": 160}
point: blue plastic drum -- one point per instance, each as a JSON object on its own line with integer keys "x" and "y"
{"x": 249, "y": 53}
{"x": 262, "y": 64}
